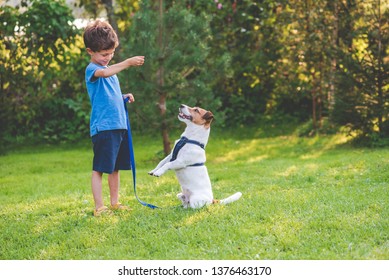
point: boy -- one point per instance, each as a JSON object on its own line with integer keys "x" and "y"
{"x": 108, "y": 122}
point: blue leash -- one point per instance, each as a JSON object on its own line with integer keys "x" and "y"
{"x": 132, "y": 158}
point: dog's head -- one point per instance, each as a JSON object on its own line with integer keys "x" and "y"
{"x": 195, "y": 115}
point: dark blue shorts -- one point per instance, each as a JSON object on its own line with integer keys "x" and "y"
{"x": 111, "y": 151}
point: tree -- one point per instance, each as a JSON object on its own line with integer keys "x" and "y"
{"x": 362, "y": 101}
{"x": 312, "y": 37}
{"x": 178, "y": 67}
{"x": 246, "y": 34}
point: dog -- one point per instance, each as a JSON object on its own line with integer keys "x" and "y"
{"x": 188, "y": 160}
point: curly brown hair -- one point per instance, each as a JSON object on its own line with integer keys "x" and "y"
{"x": 99, "y": 36}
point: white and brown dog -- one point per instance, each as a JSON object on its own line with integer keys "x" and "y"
{"x": 188, "y": 160}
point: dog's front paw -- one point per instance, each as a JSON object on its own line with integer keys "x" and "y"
{"x": 151, "y": 172}
{"x": 157, "y": 173}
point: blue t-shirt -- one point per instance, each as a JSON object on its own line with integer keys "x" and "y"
{"x": 108, "y": 112}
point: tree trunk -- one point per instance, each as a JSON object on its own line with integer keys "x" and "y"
{"x": 380, "y": 75}
{"x": 320, "y": 97}
{"x": 313, "y": 93}
{"x": 335, "y": 41}
{"x": 161, "y": 84}
{"x": 309, "y": 67}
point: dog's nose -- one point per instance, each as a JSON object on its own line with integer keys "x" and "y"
{"x": 182, "y": 106}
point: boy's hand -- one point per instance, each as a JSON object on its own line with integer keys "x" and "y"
{"x": 136, "y": 60}
{"x": 129, "y": 96}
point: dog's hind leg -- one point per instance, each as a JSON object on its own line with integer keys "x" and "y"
{"x": 184, "y": 200}
{"x": 198, "y": 202}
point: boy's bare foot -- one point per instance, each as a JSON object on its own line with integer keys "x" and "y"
{"x": 119, "y": 206}
{"x": 103, "y": 210}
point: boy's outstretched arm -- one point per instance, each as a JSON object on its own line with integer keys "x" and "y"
{"x": 118, "y": 67}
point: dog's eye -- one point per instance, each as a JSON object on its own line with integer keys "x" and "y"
{"x": 197, "y": 110}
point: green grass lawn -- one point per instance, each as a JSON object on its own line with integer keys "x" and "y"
{"x": 303, "y": 198}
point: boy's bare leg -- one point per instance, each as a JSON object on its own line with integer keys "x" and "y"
{"x": 114, "y": 182}
{"x": 97, "y": 189}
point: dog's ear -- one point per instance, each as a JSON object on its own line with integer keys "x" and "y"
{"x": 208, "y": 117}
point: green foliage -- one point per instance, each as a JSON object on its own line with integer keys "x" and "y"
{"x": 40, "y": 72}
{"x": 49, "y": 29}
{"x": 303, "y": 199}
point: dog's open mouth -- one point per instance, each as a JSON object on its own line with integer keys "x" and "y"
{"x": 184, "y": 116}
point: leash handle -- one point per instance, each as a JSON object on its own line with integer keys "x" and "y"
{"x": 132, "y": 158}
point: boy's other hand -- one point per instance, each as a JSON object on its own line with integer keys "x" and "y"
{"x": 136, "y": 61}
{"x": 129, "y": 96}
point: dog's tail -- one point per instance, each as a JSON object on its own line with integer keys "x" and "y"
{"x": 229, "y": 199}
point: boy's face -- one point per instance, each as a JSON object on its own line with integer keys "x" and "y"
{"x": 101, "y": 57}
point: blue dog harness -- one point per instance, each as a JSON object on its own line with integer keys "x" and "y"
{"x": 181, "y": 143}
